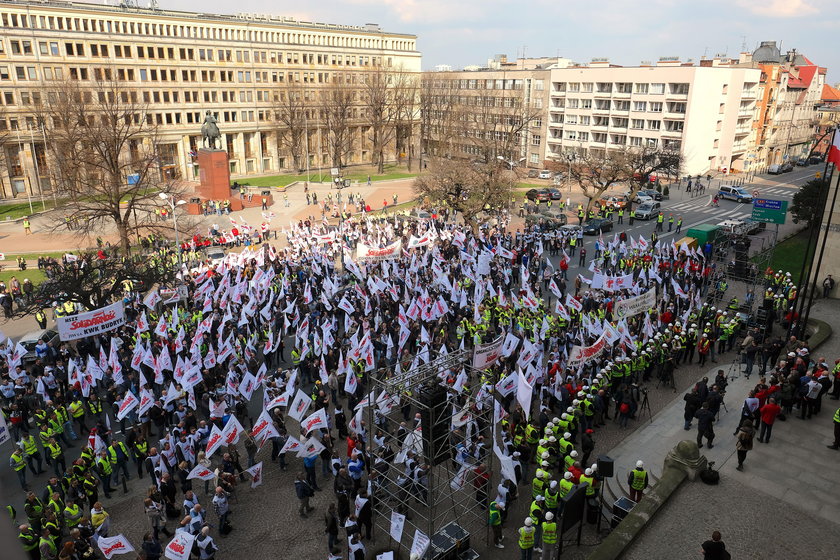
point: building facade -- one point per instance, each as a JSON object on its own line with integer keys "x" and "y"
{"x": 182, "y": 64}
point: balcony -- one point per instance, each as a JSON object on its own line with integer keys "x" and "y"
{"x": 598, "y": 111}
{"x": 674, "y": 116}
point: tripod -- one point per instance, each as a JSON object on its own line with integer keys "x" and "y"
{"x": 735, "y": 367}
{"x": 645, "y": 405}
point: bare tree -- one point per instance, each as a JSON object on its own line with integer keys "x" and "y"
{"x": 104, "y": 149}
{"x": 441, "y": 116}
{"x": 647, "y": 162}
{"x": 337, "y": 106}
{"x": 377, "y": 98}
{"x": 469, "y": 189}
{"x": 290, "y": 119}
{"x": 405, "y": 101}
{"x": 596, "y": 170}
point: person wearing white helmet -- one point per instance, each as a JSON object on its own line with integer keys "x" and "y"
{"x": 566, "y": 484}
{"x": 570, "y": 458}
{"x": 549, "y": 537}
{"x": 637, "y": 480}
{"x": 588, "y": 478}
{"x": 526, "y": 539}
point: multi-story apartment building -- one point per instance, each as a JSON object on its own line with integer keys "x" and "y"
{"x": 182, "y": 64}
{"x": 789, "y": 92}
{"x": 703, "y": 111}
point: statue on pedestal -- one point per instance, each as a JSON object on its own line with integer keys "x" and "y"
{"x": 210, "y": 131}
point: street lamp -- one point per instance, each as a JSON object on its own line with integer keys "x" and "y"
{"x": 173, "y": 205}
{"x": 570, "y": 157}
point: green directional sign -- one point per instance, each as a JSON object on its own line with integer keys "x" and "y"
{"x": 769, "y": 211}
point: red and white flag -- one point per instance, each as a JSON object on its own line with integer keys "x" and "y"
{"x": 256, "y": 474}
{"x": 292, "y": 444}
{"x": 300, "y": 405}
{"x": 202, "y": 473}
{"x": 128, "y": 404}
{"x": 315, "y": 421}
{"x": 117, "y": 544}
{"x": 233, "y": 429}
{"x": 180, "y": 546}
{"x": 214, "y": 442}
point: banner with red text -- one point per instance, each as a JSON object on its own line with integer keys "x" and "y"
{"x": 91, "y": 323}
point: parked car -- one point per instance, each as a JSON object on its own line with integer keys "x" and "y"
{"x": 571, "y": 229}
{"x": 215, "y": 254}
{"x": 648, "y": 210}
{"x": 639, "y": 198}
{"x": 533, "y": 173}
{"x": 616, "y": 202}
{"x": 738, "y": 194}
{"x": 558, "y": 178}
{"x": 803, "y": 162}
{"x": 555, "y": 193}
{"x": 774, "y": 169}
{"x": 652, "y": 193}
{"x": 547, "y": 220}
{"x": 597, "y": 225}
{"x": 545, "y": 174}
{"x": 787, "y": 167}
{"x": 815, "y": 159}
{"x": 543, "y": 195}
{"x": 30, "y": 340}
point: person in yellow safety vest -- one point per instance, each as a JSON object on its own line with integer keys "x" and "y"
{"x": 496, "y": 522}
{"x": 46, "y": 546}
{"x": 72, "y": 514}
{"x": 526, "y": 539}
{"x": 105, "y": 471}
{"x": 30, "y": 447}
{"x": 56, "y": 455}
{"x": 18, "y": 463}
{"x": 537, "y": 485}
{"x": 570, "y": 459}
{"x": 77, "y": 411}
{"x": 637, "y": 480}
{"x": 552, "y": 497}
{"x": 549, "y": 537}
{"x": 532, "y": 434}
{"x": 29, "y": 539}
{"x": 536, "y": 513}
{"x": 566, "y": 485}
{"x": 587, "y": 478}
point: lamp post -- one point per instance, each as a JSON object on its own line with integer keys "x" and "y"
{"x": 173, "y": 204}
{"x": 341, "y": 183}
{"x": 570, "y": 157}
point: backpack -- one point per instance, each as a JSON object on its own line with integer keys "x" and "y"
{"x": 710, "y": 476}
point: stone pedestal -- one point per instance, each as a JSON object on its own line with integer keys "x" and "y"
{"x": 214, "y": 175}
{"x": 686, "y": 457}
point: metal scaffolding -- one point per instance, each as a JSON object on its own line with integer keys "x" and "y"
{"x": 464, "y": 417}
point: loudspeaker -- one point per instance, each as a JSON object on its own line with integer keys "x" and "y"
{"x": 605, "y": 466}
{"x": 435, "y": 424}
{"x": 573, "y": 506}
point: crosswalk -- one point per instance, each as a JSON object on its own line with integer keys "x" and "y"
{"x": 701, "y": 205}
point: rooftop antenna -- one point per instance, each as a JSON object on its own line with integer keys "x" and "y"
{"x": 705, "y": 52}
{"x": 743, "y": 43}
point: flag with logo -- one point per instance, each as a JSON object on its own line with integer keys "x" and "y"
{"x": 256, "y": 474}
{"x": 117, "y": 544}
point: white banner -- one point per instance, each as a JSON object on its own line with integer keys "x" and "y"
{"x": 633, "y": 306}
{"x": 202, "y": 473}
{"x": 117, "y": 544}
{"x": 580, "y": 354}
{"x": 368, "y": 253}
{"x": 91, "y": 323}
{"x": 487, "y": 354}
{"x": 420, "y": 544}
{"x": 4, "y": 430}
{"x": 256, "y": 474}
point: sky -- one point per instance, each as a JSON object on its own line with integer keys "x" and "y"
{"x": 463, "y": 32}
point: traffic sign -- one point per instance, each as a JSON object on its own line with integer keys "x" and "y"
{"x": 769, "y": 211}
{"x": 755, "y": 193}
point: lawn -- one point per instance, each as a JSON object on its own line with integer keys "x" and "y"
{"x": 35, "y": 276}
{"x": 18, "y": 210}
{"x": 790, "y": 254}
{"x": 391, "y": 172}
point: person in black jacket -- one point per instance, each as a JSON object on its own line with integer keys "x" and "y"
{"x": 331, "y": 528}
{"x": 304, "y": 491}
{"x": 151, "y": 547}
{"x": 705, "y": 418}
{"x": 692, "y": 404}
{"x": 715, "y": 549}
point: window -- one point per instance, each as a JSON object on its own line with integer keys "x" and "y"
{"x": 657, "y": 89}
{"x": 535, "y": 158}
{"x": 585, "y": 120}
{"x": 574, "y": 87}
{"x": 652, "y": 142}
{"x": 4, "y": 72}
{"x": 536, "y": 140}
{"x": 587, "y": 87}
{"x": 643, "y": 89}
{"x": 655, "y": 107}
{"x": 583, "y": 136}
{"x": 585, "y": 103}
{"x": 638, "y": 124}
{"x": 635, "y": 141}
{"x": 571, "y": 135}
{"x": 654, "y": 125}
{"x": 572, "y": 103}
{"x": 640, "y": 106}
{"x": 15, "y": 47}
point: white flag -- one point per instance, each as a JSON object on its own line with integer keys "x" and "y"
{"x": 314, "y": 421}
{"x": 524, "y": 392}
{"x": 128, "y": 404}
{"x": 256, "y": 474}
{"x": 214, "y": 442}
{"x": 300, "y": 405}
{"x": 180, "y": 546}
{"x": 233, "y": 429}
{"x": 117, "y": 544}
{"x": 202, "y": 473}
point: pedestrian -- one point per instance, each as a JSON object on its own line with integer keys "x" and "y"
{"x": 206, "y": 546}
{"x": 222, "y": 508}
{"x": 836, "y": 444}
{"x": 828, "y": 285}
{"x": 744, "y": 443}
{"x": 714, "y": 549}
{"x": 496, "y": 509}
{"x": 331, "y": 522}
{"x": 679, "y": 224}
{"x": 705, "y": 418}
{"x": 304, "y": 491}
{"x": 27, "y": 226}
{"x": 150, "y": 548}
{"x": 549, "y": 537}
{"x": 692, "y": 404}
{"x": 769, "y": 412}
{"x": 637, "y": 480}
{"x": 157, "y": 517}
{"x": 526, "y": 539}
